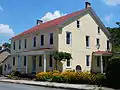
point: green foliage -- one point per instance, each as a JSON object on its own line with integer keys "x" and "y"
{"x": 113, "y": 72}
{"x": 115, "y": 37}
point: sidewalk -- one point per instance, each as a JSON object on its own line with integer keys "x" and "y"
{"x": 55, "y": 85}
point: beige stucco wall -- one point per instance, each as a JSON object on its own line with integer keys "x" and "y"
{"x": 88, "y": 27}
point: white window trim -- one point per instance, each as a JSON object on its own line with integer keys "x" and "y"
{"x": 69, "y": 67}
{"x": 49, "y": 39}
{"x": 86, "y": 61}
{"x": 70, "y": 38}
{"x": 33, "y": 42}
{"x": 43, "y": 40}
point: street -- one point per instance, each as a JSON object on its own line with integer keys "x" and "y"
{"x": 11, "y": 86}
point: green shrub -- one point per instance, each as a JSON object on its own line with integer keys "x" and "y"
{"x": 113, "y": 72}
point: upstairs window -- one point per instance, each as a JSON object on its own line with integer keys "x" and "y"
{"x": 19, "y": 44}
{"x": 97, "y": 41}
{"x": 98, "y": 30}
{"x": 108, "y": 45}
{"x": 87, "y": 41}
{"x": 42, "y": 40}
{"x": 87, "y": 60}
{"x": 68, "y": 38}
{"x": 68, "y": 63}
{"x": 13, "y": 45}
{"x": 34, "y": 42}
{"x": 78, "y": 24}
{"x": 24, "y": 60}
{"x": 51, "y": 38}
{"x": 25, "y": 42}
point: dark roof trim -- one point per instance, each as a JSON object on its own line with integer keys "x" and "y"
{"x": 6, "y": 49}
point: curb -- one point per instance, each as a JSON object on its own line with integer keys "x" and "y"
{"x": 54, "y": 85}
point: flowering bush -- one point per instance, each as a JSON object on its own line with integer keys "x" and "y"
{"x": 71, "y": 77}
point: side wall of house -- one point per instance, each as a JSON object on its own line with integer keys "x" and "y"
{"x": 78, "y": 49}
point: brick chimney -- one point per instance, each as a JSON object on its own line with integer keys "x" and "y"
{"x": 39, "y": 22}
{"x": 87, "y": 5}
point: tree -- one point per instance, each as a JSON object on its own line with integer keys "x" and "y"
{"x": 7, "y": 45}
{"x": 115, "y": 37}
{"x": 59, "y": 56}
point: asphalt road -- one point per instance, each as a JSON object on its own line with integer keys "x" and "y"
{"x": 11, "y": 86}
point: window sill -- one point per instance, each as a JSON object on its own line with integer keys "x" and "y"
{"x": 69, "y": 67}
{"x": 87, "y": 47}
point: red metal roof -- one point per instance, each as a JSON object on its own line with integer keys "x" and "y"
{"x": 49, "y": 23}
{"x": 102, "y": 52}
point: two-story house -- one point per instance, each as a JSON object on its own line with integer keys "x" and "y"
{"x": 80, "y": 33}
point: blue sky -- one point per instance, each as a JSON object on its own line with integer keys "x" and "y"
{"x": 17, "y": 16}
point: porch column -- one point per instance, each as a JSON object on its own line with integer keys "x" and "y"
{"x": 101, "y": 60}
{"x": 26, "y": 64}
{"x": 44, "y": 62}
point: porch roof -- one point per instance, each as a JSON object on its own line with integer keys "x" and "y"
{"x": 35, "y": 51}
{"x": 102, "y": 53}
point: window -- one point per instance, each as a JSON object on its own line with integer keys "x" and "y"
{"x": 78, "y": 24}
{"x": 42, "y": 40}
{"x": 13, "y": 45}
{"x": 98, "y": 61}
{"x": 24, "y": 60}
{"x": 87, "y": 60}
{"x": 68, "y": 63}
{"x": 51, "y": 38}
{"x": 87, "y": 41}
{"x": 19, "y": 44}
{"x": 50, "y": 61}
{"x": 68, "y": 38}
{"x": 13, "y": 61}
{"x": 25, "y": 42}
{"x": 34, "y": 42}
{"x": 108, "y": 45}
{"x": 97, "y": 41}
{"x": 98, "y": 30}
{"x": 40, "y": 61}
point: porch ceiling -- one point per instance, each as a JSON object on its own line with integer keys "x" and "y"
{"x": 103, "y": 53}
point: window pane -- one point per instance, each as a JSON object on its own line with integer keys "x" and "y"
{"x": 19, "y": 44}
{"x": 24, "y": 60}
{"x": 42, "y": 40}
{"x": 34, "y": 42}
{"x": 68, "y": 63}
{"x": 98, "y": 30}
{"x": 98, "y": 61}
{"x": 98, "y": 41}
{"x": 25, "y": 41}
{"x": 87, "y": 60}
{"x": 78, "y": 24}
{"x": 13, "y": 61}
{"x": 108, "y": 45}
{"x": 68, "y": 37}
{"x": 51, "y": 38}
{"x": 13, "y": 45}
{"x": 87, "y": 41}
{"x": 40, "y": 61}
{"x": 50, "y": 61}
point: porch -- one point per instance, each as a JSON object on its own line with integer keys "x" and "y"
{"x": 35, "y": 61}
{"x": 99, "y": 61}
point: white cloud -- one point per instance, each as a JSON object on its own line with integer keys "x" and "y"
{"x": 50, "y": 16}
{"x": 108, "y": 18}
{"x": 5, "y": 30}
{"x": 1, "y": 9}
{"x": 112, "y": 2}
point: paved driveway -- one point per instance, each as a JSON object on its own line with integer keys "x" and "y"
{"x": 10, "y": 86}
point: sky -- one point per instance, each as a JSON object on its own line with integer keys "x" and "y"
{"x": 17, "y": 16}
